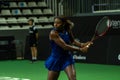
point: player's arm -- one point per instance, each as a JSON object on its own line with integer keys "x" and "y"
{"x": 37, "y": 35}
{"x": 77, "y": 43}
{"x": 73, "y": 41}
{"x": 55, "y": 37}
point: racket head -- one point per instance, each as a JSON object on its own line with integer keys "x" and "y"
{"x": 102, "y": 26}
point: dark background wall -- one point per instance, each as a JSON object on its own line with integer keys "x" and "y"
{"x": 105, "y": 50}
{"x": 21, "y": 42}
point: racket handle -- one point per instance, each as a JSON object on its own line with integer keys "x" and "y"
{"x": 93, "y": 38}
{"x": 88, "y": 45}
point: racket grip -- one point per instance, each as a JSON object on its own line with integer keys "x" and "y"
{"x": 88, "y": 45}
{"x": 93, "y": 38}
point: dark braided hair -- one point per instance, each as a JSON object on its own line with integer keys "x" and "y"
{"x": 66, "y": 26}
{"x": 64, "y": 21}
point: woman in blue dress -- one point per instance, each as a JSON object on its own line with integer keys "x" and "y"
{"x": 61, "y": 58}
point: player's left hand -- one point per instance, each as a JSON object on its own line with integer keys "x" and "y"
{"x": 87, "y": 44}
{"x": 84, "y": 49}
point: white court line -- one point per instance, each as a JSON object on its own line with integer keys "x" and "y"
{"x": 12, "y": 78}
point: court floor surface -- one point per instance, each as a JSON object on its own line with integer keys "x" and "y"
{"x": 25, "y": 70}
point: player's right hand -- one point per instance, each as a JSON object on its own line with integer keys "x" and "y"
{"x": 84, "y": 49}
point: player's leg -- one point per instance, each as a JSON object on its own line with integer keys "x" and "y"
{"x": 34, "y": 53}
{"x": 70, "y": 71}
{"x": 52, "y": 75}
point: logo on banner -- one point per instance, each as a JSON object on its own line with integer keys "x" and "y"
{"x": 118, "y": 56}
{"x": 79, "y": 57}
{"x": 115, "y": 24}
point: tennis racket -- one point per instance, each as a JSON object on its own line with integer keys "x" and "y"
{"x": 101, "y": 28}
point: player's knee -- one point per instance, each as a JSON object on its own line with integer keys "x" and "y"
{"x": 72, "y": 77}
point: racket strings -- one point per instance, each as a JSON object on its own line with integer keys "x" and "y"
{"x": 102, "y": 26}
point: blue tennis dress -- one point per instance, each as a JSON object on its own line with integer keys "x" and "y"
{"x": 59, "y": 58}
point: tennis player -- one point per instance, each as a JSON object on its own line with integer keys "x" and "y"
{"x": 33, "y": 39}
{"x": 61, "y": 57}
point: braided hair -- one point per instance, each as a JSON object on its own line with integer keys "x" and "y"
{"x": 67, "y": 24}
